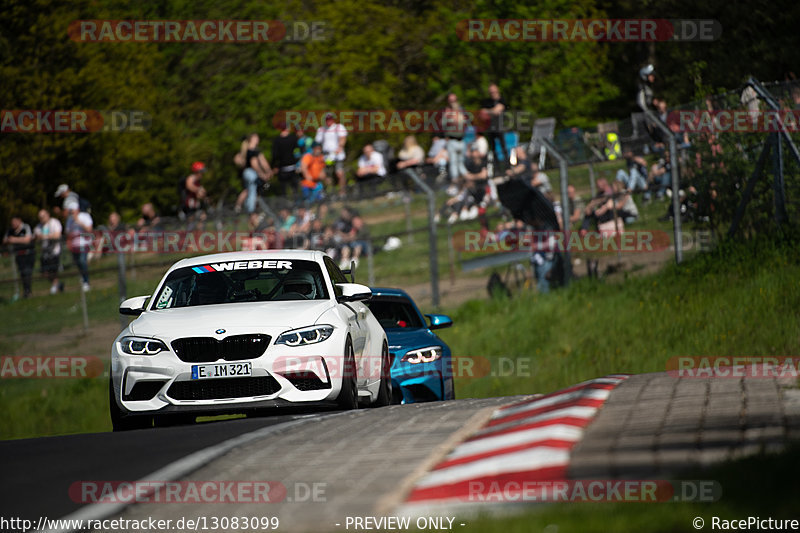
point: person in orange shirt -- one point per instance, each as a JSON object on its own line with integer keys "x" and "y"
{"x": 312, "y": 166}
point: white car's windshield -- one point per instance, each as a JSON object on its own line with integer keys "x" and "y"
{"x": 252, "y": 280}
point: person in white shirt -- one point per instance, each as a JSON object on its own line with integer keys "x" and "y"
{"x": 49, "y": 233}
{"x": 333, "y": 137}
{"x": 79, "y": 238}
{"x": 371, "y": 166}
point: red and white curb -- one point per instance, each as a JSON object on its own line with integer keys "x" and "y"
{"x": 522, "y": 442}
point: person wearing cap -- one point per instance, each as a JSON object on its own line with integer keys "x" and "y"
{"x": 78, "y": 228}
{"x": 66, "y": 195}
{"x": 312, "y": 167}
{"x": 333, "y": 137}
{"x": 193, "y": 193}
{"x": 646, "y": 79}
{"x": 21, "y": 240}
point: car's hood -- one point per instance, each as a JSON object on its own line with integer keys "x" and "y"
{"x": 406, "y": 339}
{"x": 203, "y": 320}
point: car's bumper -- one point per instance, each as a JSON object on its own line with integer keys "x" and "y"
{"x": 281, "y": 376}
{"x": 423, "y": 382}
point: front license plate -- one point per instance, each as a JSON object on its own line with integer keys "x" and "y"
{"x": 226, "y": 370}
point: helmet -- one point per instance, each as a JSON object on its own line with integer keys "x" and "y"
{"x": 645, "y": 71}
{"x": 301, "y": 282}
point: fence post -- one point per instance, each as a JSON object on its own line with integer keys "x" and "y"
{"x": 370, "y": 265}
{"x": 451, "y": 254}
{"x": 432, "y": 251}
{"x": 83, "y": 305}
{"x": 592, "y": 186}
{"x": 409, "y": 225}
{"x": 562, "y": 165}
{"x": 675, "y": 174}
{"x": 123, "y": 287}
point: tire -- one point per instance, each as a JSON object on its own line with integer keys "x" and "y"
{"x": 348, "y": 396}
{"x": 120, "y": 422}
{"x": 385, "y": 390}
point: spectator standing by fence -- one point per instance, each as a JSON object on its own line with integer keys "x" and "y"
{"x": 454, "y": 125}
{"x": 284, "y": 161}
{"x": 255, "y": 167}
{"x": 21, "y": 240}
{"x": 496, "y": 106}
{"x": 333, "y": 137}
{"x": 79, "y": 226}
{"x": 48, "y": 232}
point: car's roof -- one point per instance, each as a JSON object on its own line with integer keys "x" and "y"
{"x": 309, "y": 255}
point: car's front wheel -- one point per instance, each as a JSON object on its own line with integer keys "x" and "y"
{"x": 120, "y": 422}
{"x": 348, "y": 396}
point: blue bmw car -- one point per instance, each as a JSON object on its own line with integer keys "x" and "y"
{"x": 421, "y": 364}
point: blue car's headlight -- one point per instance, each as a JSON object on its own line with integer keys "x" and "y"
{"x": 423, "y": 355}
{"x": 304, "y": 336}
{"x": 141, "y": 346}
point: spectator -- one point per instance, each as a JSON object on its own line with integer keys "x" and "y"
{"x": 371, "y": 166}
{"x": 454, "y": 124}
{"x": 523, "y": 169}
{"x": 353, "y": 235}
{"x": 78, "y": 227}
{"x": 624, "y": 204}
{"x": 647, "y": 77}
{"x": 540, "y": 181}
{"x": 481, "y": 144}
{"x": 193, "y": 194}
{"x": 285, "y": 161}
{"x": 333, "y": 137}
{"x": 312, "y": 168}
{"x": 49, "y": 233}
{"x": 411, "y": 156}
{"x": 262, "y": 233}
{"x": 21, "y": 240}
{"x": 304, "y": 144}
{"x": 661, "y": 176}
{"x": 437, "y": 156}
{"x": 256, "y": 168}
{"x": 476, "y": 179}
{"x": 496, "y": 106}
{"x": 574, "y": 210}
{"x": 636, "y": 176}
{"x": 63, "y": 191}
{"x": 149, "y": 222}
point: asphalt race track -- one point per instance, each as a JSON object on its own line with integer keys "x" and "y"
{"x": 37, "y": 473}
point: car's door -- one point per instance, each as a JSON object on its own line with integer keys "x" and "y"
{"x": 355, "y": 313}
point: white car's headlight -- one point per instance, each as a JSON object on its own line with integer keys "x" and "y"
{"x": 141, "y": 346}
{"x": 303, "y": 336}
{"x": 423, "y": 355}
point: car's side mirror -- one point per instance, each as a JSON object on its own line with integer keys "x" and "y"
{"x": 133, "y": 306}
{"x": 353, "y": 292}
{"x": 439, "y": 321}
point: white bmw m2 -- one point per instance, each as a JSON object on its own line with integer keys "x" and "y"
{"x": 243, "y": 331}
